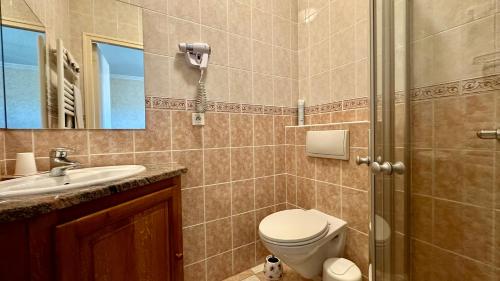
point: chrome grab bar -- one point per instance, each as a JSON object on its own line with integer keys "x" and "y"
{"x": 489, "y": 134}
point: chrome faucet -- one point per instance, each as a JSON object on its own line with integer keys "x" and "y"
{"x": 59, "y": 164}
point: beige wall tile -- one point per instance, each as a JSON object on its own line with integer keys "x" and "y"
{"x": 329, "y": 199}
{"x": 194, "y": 243}
{"x": 264, "y": 192}
{"x": 282, "y": 8}
{"x": 362, "y": 83}
{"x": 242, "y": 163}
{"x": 239, "y": 18}
{"x": 216, "y": 130}
{"x": 214, "y": 13}
{"x": 421, "y": 217}
{"x": 305, "y": 164}
{"x": 195, "y": 272}
{"x": 192, "y": 206}
{"x": 282, "y": 91}
{"x": 343, "y": 47}
{"x": 17, "y": 141}
{"x": 45, "y": 140}
{"x": 261, "y": 21}
{"x": 185, "y": 135}
{"x": 264, "y": 161}
{"x": 281, "y": 62}
{"x": 264, "y": 5}
{"x": 156, "y": 136}
{"x": 217, "y": 165}
{"x": 328, "y": 170}
{"x": 262, "y": 57}
{"x": 193, "y": 160}
{"x": 262, "y": 89}
{"x": 155, "y": 32}
{"x": 218, "y": 41}
{"x": 155, "y": 5}
{"x": 185, "y": 9}
{"x": 343, "y": 79}
{"x": 320, "y": 88}
{"x": 217, "y": 83}
{"x": 355, "y": 208}
{"x": 240, "y": 86}
{"x": 263, "y": 129}
{"x": 217, "y": 267}
{"x": 243, "y": 258}
{"x": 218, "y": 236}
{"x": 306, "y": 194}
{"x": 156, "y": 75}
{"x": 111, "y": 159}
{"x": 217, "y": 201}
{"x": 362, "y": 43}
{"x": 291, "y": 189}
{"x": 243, "y": 196}
{"x": 342, "y": 13}
{"x": 143, "y": 158}
{"x": 181, "y": 31}
{"x": 280, "y": 189}
{"x": 320, "y": 57}
{"x": 281, "y": 32}
{"x": 352, "y": 175}
{"x": 107, "y": 141}
{"x": 475, "y": 241}
{"x": 279, "y": 159}
{"x": 243, "y": 229}
{"x": 241, "y": 130}
{"x": 357, "y": 249}
{"x": 240, "y": 52}
{"x": 422, "y": 170}
{"x": 449, "y": 122}
{"x": 183, "y": 79}
{"x": 319, "y": 28}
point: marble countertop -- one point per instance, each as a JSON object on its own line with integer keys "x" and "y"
{"x": 25, "y": 207}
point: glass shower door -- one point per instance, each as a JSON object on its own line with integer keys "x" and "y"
{"x": 389, "y": 155}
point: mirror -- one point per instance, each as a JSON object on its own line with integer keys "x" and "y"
{"x": 74, "y": 65}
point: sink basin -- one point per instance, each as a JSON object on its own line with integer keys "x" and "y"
{"x": 43, "y": 183}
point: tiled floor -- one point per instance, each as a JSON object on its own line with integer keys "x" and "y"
{"x": 256, "y": 274}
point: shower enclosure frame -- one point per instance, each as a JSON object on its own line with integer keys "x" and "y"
{"x": 383, "y": 259}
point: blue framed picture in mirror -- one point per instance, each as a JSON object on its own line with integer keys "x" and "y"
{"x": 75, "y": 75}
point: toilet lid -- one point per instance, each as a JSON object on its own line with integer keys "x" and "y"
{"x": 292, "y": 226}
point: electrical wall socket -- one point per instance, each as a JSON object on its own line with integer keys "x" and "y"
{"x": 198, "y": 119}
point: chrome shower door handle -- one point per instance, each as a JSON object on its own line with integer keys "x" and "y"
{"x": 387, "y": 168}
{"x": 363, "y": 160}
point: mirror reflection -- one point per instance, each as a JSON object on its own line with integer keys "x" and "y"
{"x": 73, "y": 66}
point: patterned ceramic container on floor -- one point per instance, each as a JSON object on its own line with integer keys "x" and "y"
{"x": 273, "y": 269}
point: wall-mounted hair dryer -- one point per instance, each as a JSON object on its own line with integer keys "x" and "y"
{"x": 196, "y": 54}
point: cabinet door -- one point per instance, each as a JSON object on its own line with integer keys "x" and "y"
{"x": 131, "y": 241}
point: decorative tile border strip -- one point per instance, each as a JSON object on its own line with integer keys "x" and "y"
{"x": 489, "y": 83}
{"x": 443, "y": 90}
{"x": 355, "y": 103}
{"x": 189, "y": 105}
{"x": 457, "y": 88}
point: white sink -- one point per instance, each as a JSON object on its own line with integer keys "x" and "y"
{"x": 78, "y": 178}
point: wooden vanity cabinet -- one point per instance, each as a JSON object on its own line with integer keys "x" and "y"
{"x": 134, "y": 235}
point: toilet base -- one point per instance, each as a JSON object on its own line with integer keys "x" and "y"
{"x": 311, "y": 266}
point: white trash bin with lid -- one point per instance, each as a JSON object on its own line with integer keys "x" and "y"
{"x": 340, "y": 269}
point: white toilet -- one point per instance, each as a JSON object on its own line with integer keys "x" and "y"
{"x": 303, "y": 239}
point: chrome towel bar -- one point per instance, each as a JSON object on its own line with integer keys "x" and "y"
{"x": 489, "y": 134}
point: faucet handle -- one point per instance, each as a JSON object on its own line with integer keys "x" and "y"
{"x": 60, "y": 152}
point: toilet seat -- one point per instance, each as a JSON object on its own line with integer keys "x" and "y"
{"x": 293, "y": 227}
